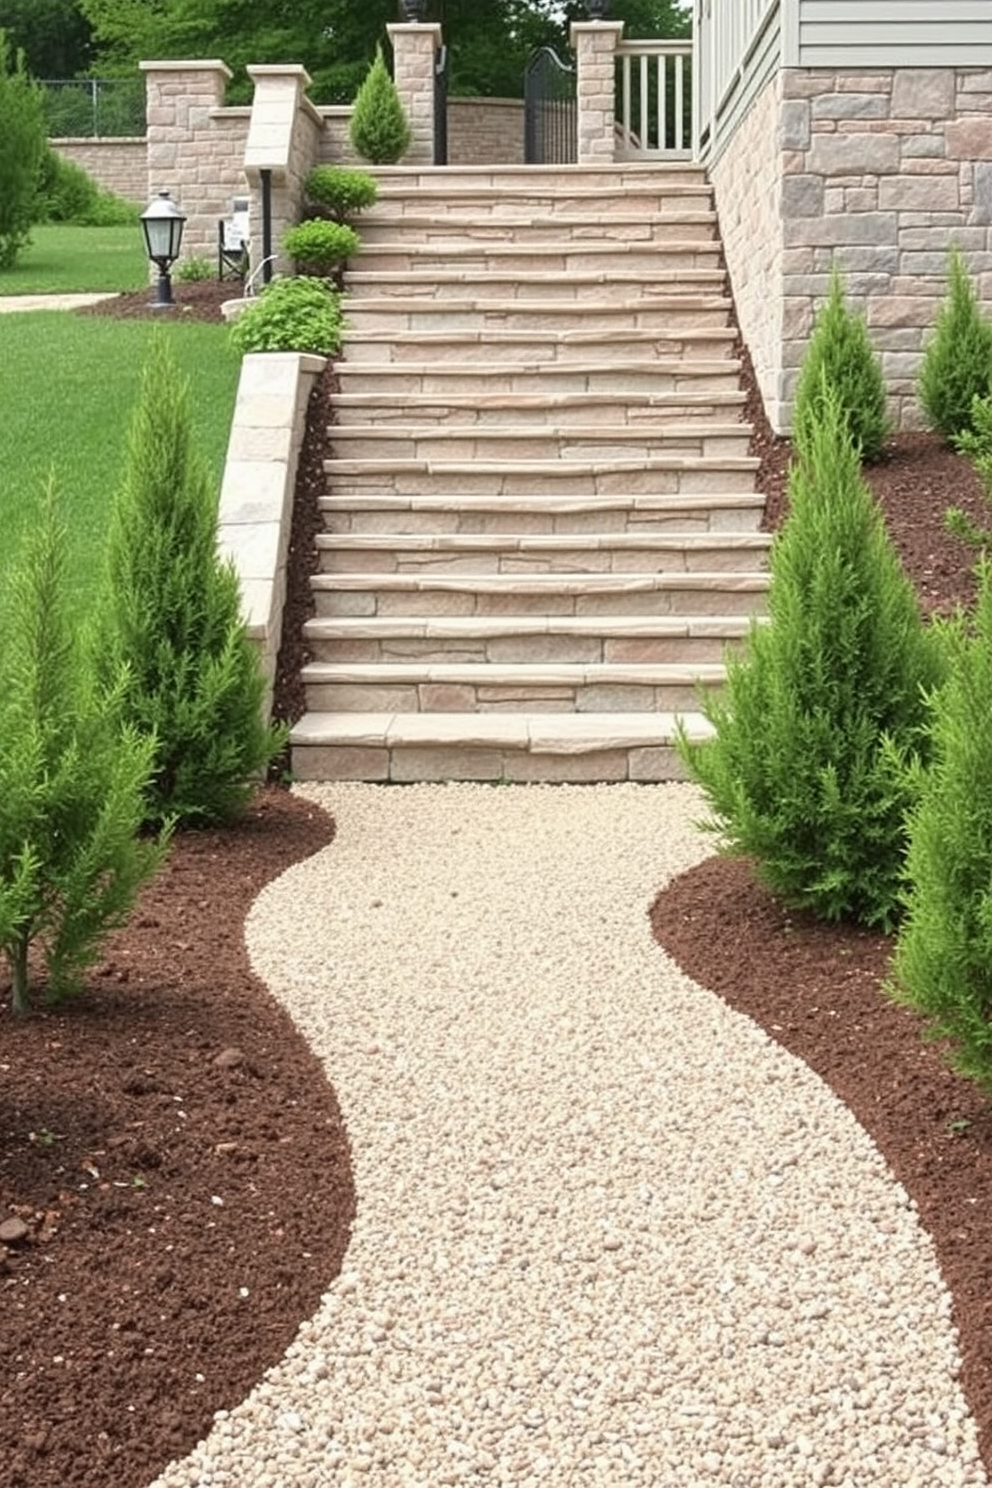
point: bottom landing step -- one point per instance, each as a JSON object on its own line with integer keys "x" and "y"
{"x": 566, "y": 747}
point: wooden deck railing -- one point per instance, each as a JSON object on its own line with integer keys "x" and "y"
{"x": 654, "y": 97}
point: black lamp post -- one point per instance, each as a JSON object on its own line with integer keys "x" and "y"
{"x": 598, "y": 9}
{"x": 162, "y": 224}
{"x": 413, "y": 10}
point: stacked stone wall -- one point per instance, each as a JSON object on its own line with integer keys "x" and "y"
{"x": 118, "y": 165}
{"x": 485, "y": 131}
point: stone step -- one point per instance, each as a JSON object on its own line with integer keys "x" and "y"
{"x": 547, "y": 344}
{"x": 525, "y": 224}
{"x": 703, "y": 439}
{"x": 480, "y": 409}
{"x": 501, "y": 639}
{"x": 723, "y": 512}
{"x": 656, "y": 475}
{"x": 467, "y": 687}
{"x": 410, "y": 316}
{"x": 512, "y": 553}
{"x": 534, "y": 378}
{"x": 542, "y": 181}
{"x": 519, "y": 746}
{"x": 476, "y": 200}
{"x": 678, "y": 593}
{"x": 499, "y": 282}
{"x": 562, "y": 257}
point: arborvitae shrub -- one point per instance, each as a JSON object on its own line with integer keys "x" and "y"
{"x": 957, "y": 361}
{"x": 339, "y": 191}
{"x": 840, "y": 357}
{"x": 824, "y": 708}
{"x": 379, "y": 130}
{"x": 943, "y": 960}
{"x": 976, "y": 444}
{"x": 22, "y": 146}
{"x": 301, "y": 314}
{"x": 172, "y": 618}
{"x": 72, "y": 780}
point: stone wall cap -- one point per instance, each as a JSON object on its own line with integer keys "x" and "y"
{"x": 276, "y": 69}
{"x": 213, "y": 64}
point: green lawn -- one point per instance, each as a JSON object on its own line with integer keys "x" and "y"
{"x": 68, "y": 385}
{"x": 63, "y": 259}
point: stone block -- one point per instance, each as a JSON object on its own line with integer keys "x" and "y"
{"x": 850, "y": 106}
{"x": 969, "y": 138}
{"x": 329, "y": 762}
{"x": 444, "y": 762}
{"x": 981, "y": 211}
{"x": 919, "y": 194}
{"x": 923, "y": 93}
{"x": 794, "y": 125}
{"x": 866, "y": 153}
{"x": 802, "y": 196}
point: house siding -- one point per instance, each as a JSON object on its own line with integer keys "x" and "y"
{"x": 892, "y": 33}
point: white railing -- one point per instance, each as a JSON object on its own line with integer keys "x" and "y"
{"x": 654, "y": 117}
{"x": 730, "y": 37}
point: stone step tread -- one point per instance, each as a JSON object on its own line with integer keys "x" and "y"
{"x": 512, "y": 305}
{"x": 495, "y": 627}
{"x": 657, "y": 433}
{"x": 731, "y": 398}
{"x": 529, "y": 212}
{"x": 490, "y": 542}
{"x": 546, "y": 733}
{"x": 552, "y": 177}
{"x": 632, "y": 366}
{"x": 503, "y": 248}
{"x": 735, "y": 580}
{"x": 562, "y": 469}
{"x": 495, "y": 674}
{"x": 607, "y": 188}
{"x": 569, "y": 336}
{"x": 545, "y": 505}
{"x": 664, "y": 282}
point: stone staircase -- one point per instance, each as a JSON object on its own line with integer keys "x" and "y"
{"x": 541, "y": 524}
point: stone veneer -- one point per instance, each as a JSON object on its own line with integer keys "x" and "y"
{"x": 119, "y": 165}
{"x": 595, "y": 46}
{"x": 414, "y": 49}
{"x": 882, "y": 170}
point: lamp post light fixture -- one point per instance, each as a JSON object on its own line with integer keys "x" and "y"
{"x": 162, "y": 224}
{"x": 598, "y": 9}
{"x": 413, "y": 10}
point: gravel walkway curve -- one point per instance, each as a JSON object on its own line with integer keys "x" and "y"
{"x": 608, "y": 1233}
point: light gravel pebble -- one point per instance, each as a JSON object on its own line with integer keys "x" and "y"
{"x": 608, "y": 1233}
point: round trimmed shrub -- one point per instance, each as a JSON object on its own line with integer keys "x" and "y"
{"x": 340, "y": 192}
{"x": 319, "y": 247}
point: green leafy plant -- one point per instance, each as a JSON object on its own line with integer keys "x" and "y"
{"x": 379, "y": 131}
{"x": 840, "y": 358}
{"x": 957, "y": 360}
{"x": 339, "y": 191}
{"x": 824, "y": 711}
{"x": 975, "y": 443}
{"x": 171, "y": 618}
{"x": 320, "y": 248}
{"x": 72, "y": 780}
{"x": 291, "y": 315}
{"x": 22, "y": 131}
{"x": 942, "y": 967}
{"x": 67, "y": 193}
{"x": 194, "y": 270}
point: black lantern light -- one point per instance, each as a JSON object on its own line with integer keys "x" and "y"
{"x": 598, "y": 9}
{"x": 413, "y": 10}
{"x": 162, "y": 224}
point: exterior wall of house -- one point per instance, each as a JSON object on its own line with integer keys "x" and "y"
{"x": 888, "y": 33}
{"x": 119, "y": 165}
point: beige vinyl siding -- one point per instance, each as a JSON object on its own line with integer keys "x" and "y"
{"x": 892, "y": 33}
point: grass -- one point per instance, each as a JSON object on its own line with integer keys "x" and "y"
{"x": 68, "y": 386}
{"x": 63, "y": 259}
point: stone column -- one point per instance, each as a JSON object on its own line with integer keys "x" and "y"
{"x": 181, "y": 99}
{"x": 283, "y": 139}
{"x": 414, "y": 49}
{"x": 595, "y": 44}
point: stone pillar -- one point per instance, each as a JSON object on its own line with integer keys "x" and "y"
{"x": 181, "y": 99}
{"x": 595, "y": 44}
{"x": 414, "y": 49}
{"x": 284, "y": 139}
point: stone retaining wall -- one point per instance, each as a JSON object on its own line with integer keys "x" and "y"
{"x": 118, "y": 165}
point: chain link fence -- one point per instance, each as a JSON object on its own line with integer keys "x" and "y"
{"x": 92, "y": 108}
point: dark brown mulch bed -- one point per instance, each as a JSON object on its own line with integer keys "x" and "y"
{"x": 129, "y": 1286}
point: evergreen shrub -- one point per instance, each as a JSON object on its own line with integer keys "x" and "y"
{"x": 942, "y": 967}
{"x": 824, "y": 709}
{"x": 340, "y": 191}
{"x": 840, "y": 357}
{"x": 22, "y": 145}
{"x": 172, "y": 618}
{"x": 300, "y": 314}
{"x": 975, "y": 443}
{"x": 320, "y": 248}
{"x": 67, "y": 193}
{"x": 379, "y": 128}
{"x": 957, "y": 360}
{"x": 72, "y": 780}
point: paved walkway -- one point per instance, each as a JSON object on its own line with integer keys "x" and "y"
{"x": 10, "y": 303}
{"x": 609, "y": 1235}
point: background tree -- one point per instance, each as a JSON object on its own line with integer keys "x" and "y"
{"x": 22, "y": 147}
{"x": 54, "y": 36}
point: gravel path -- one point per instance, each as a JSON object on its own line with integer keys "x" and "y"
{"x": 608, "y": 1233}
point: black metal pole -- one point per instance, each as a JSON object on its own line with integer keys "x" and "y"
{"x": 265, "y": 177}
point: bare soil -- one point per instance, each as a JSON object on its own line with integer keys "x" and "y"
{"x": 174, "y": 1162}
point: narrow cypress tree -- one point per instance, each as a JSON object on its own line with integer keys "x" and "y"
{"x": 72, "y": 781}
{"x": 841, "y": 357}
{"x": 172, "y": 621}
{"x": 825, "y": 706}
{"x": 379, "y": 129}
{"x": 957, "y": 360}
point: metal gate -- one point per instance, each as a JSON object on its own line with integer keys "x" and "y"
{"x": 550, "y": 110}
{"x": 441, "y": 107}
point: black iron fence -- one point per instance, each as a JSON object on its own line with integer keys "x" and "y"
{"x": 441, "y": 107}
{"x": 94, "y": 107}
{"x": 550, "y": 110}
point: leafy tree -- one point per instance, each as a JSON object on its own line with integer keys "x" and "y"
{"x": 824, "y": 709}
{"x": 54, "y": 36}
{"x": 957, "y": 360}
{"x": 943, "y": 960}
{"x": 22, "y": 146}
{"x": 71, "y": 780}
{"x": 172, "y": 621}
{"x": 840, "y": 358}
